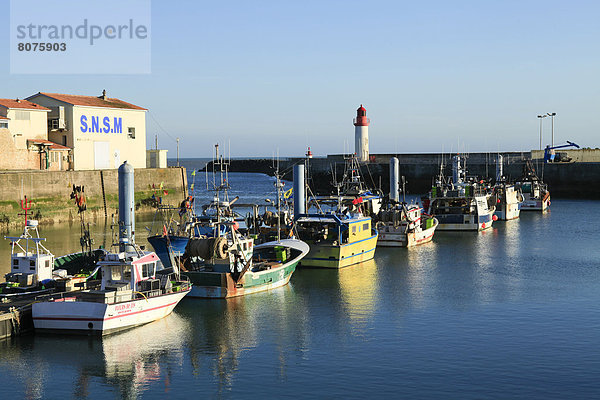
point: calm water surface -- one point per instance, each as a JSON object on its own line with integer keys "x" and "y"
{"x": 513, "y": 312}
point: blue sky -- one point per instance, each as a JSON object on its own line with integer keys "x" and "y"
{"x": 275, "y": 75}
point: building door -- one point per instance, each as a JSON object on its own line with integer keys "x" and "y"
{"x": 117, "y": 157}
{"x": 101, "y": 155}
{"x": 60, "y": 153}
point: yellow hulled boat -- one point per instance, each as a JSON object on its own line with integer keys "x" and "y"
{"x": 336, "y": 241}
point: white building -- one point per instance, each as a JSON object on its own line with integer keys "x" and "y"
{"x": 103, "y": 132}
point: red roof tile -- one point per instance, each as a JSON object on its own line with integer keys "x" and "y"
{"x": 91, "y": 101}
{"x": 26, "y": 104}
{"x": 1, "y": 117}
{"x": 53, "y": 146}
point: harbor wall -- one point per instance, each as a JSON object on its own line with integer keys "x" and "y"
{"x": 50, "y": 192}
{"x": 579, "y": 178}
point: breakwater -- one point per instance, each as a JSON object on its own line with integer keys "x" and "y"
{"x": 49, "y": 192}
{"x": 578, "y": 178}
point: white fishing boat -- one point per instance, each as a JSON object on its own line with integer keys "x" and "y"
{"x": 508, "y": 197}
{"x": 35, "y": 271}
{"x": 508, "y": 203}
{"x": 400, "y": 224}
{"x": 536, "y": 196}
{"x": 461, "y": 204}
{"x": 405, "y": 226}
{"x": 132, "y": 291}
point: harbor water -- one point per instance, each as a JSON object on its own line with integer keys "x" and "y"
{"x": 511, "y": 312}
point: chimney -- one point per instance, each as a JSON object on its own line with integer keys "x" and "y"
{"x": 18, "y": 100}
{"x": 103, "y": 97}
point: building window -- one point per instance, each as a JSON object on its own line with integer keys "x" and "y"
{"x": 64, "y": 140}
{"x": 131, "y": 132}
{"x": 22, "y": 115}
{"x": 3, "y": 124}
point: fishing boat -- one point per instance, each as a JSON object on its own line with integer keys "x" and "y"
{"x": 400, "y": 224}
{"x": 133, "y": 290}
{"x": 508, "y": 197}
{"x": 405, "y": 225}
{"x": 236, "y": 267}
{"x": 536, "y": 196}
{"x": 36, "y": 271}
{"x": 231, "y": 265}
{"x": 336, "y": 240}
{"x": 508, "y": 201}
{"x": 460, "y": 204}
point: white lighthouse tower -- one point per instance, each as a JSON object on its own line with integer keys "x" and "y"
{"x": 361, "y": 134}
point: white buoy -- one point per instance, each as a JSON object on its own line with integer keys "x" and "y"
{"x": 394, "y": 179}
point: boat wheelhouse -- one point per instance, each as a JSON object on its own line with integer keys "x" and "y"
{"x": 336, "y": 240}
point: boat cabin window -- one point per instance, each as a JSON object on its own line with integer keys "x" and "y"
{"x": 147, "y": 270}
{"x": 353, "y": 229}
{"x": 32, "y": 263}
{"x": 365, "y": 226}
{"x": 16, "y": 263}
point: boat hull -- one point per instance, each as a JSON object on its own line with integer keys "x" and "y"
{"x": 401, "y": 239}
{"x": 536, "y": 204}
{"x": 91, "y": 318}
{"x": 336, "y": 257}
{"x": 215, "y": 285}
{"x": 508, "y": 212}
{"x": 462, "y": 222}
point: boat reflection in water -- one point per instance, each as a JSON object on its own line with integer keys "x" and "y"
{"x": 226, "y": 332}
{"x": 358, "y": 293}
{"x": 127, "y": 362}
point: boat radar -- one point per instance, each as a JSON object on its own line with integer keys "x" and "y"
{"x": 361, "y": 134}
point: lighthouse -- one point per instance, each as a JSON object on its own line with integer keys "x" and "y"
{"x": 361, "y": 134}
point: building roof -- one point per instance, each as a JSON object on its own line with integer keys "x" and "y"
{"x": 23, "y": 104}
{"x": 91, "y": 101}
{"x": 1, "y": 117}
{"x": 51, "y": 145}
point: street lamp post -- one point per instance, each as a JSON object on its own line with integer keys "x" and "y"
{"x": 552, "y": 115}
{"x": 541, "y": 117}
{"x": 178, "y": 152}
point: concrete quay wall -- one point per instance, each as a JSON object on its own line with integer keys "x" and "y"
{"x": 580, "y": 178}
{"x": 50, "y": 192}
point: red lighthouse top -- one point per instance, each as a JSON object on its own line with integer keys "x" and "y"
{"x": 361, "y": 117}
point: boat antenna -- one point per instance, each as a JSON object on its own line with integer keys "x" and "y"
{"x": 278, "y": 184}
